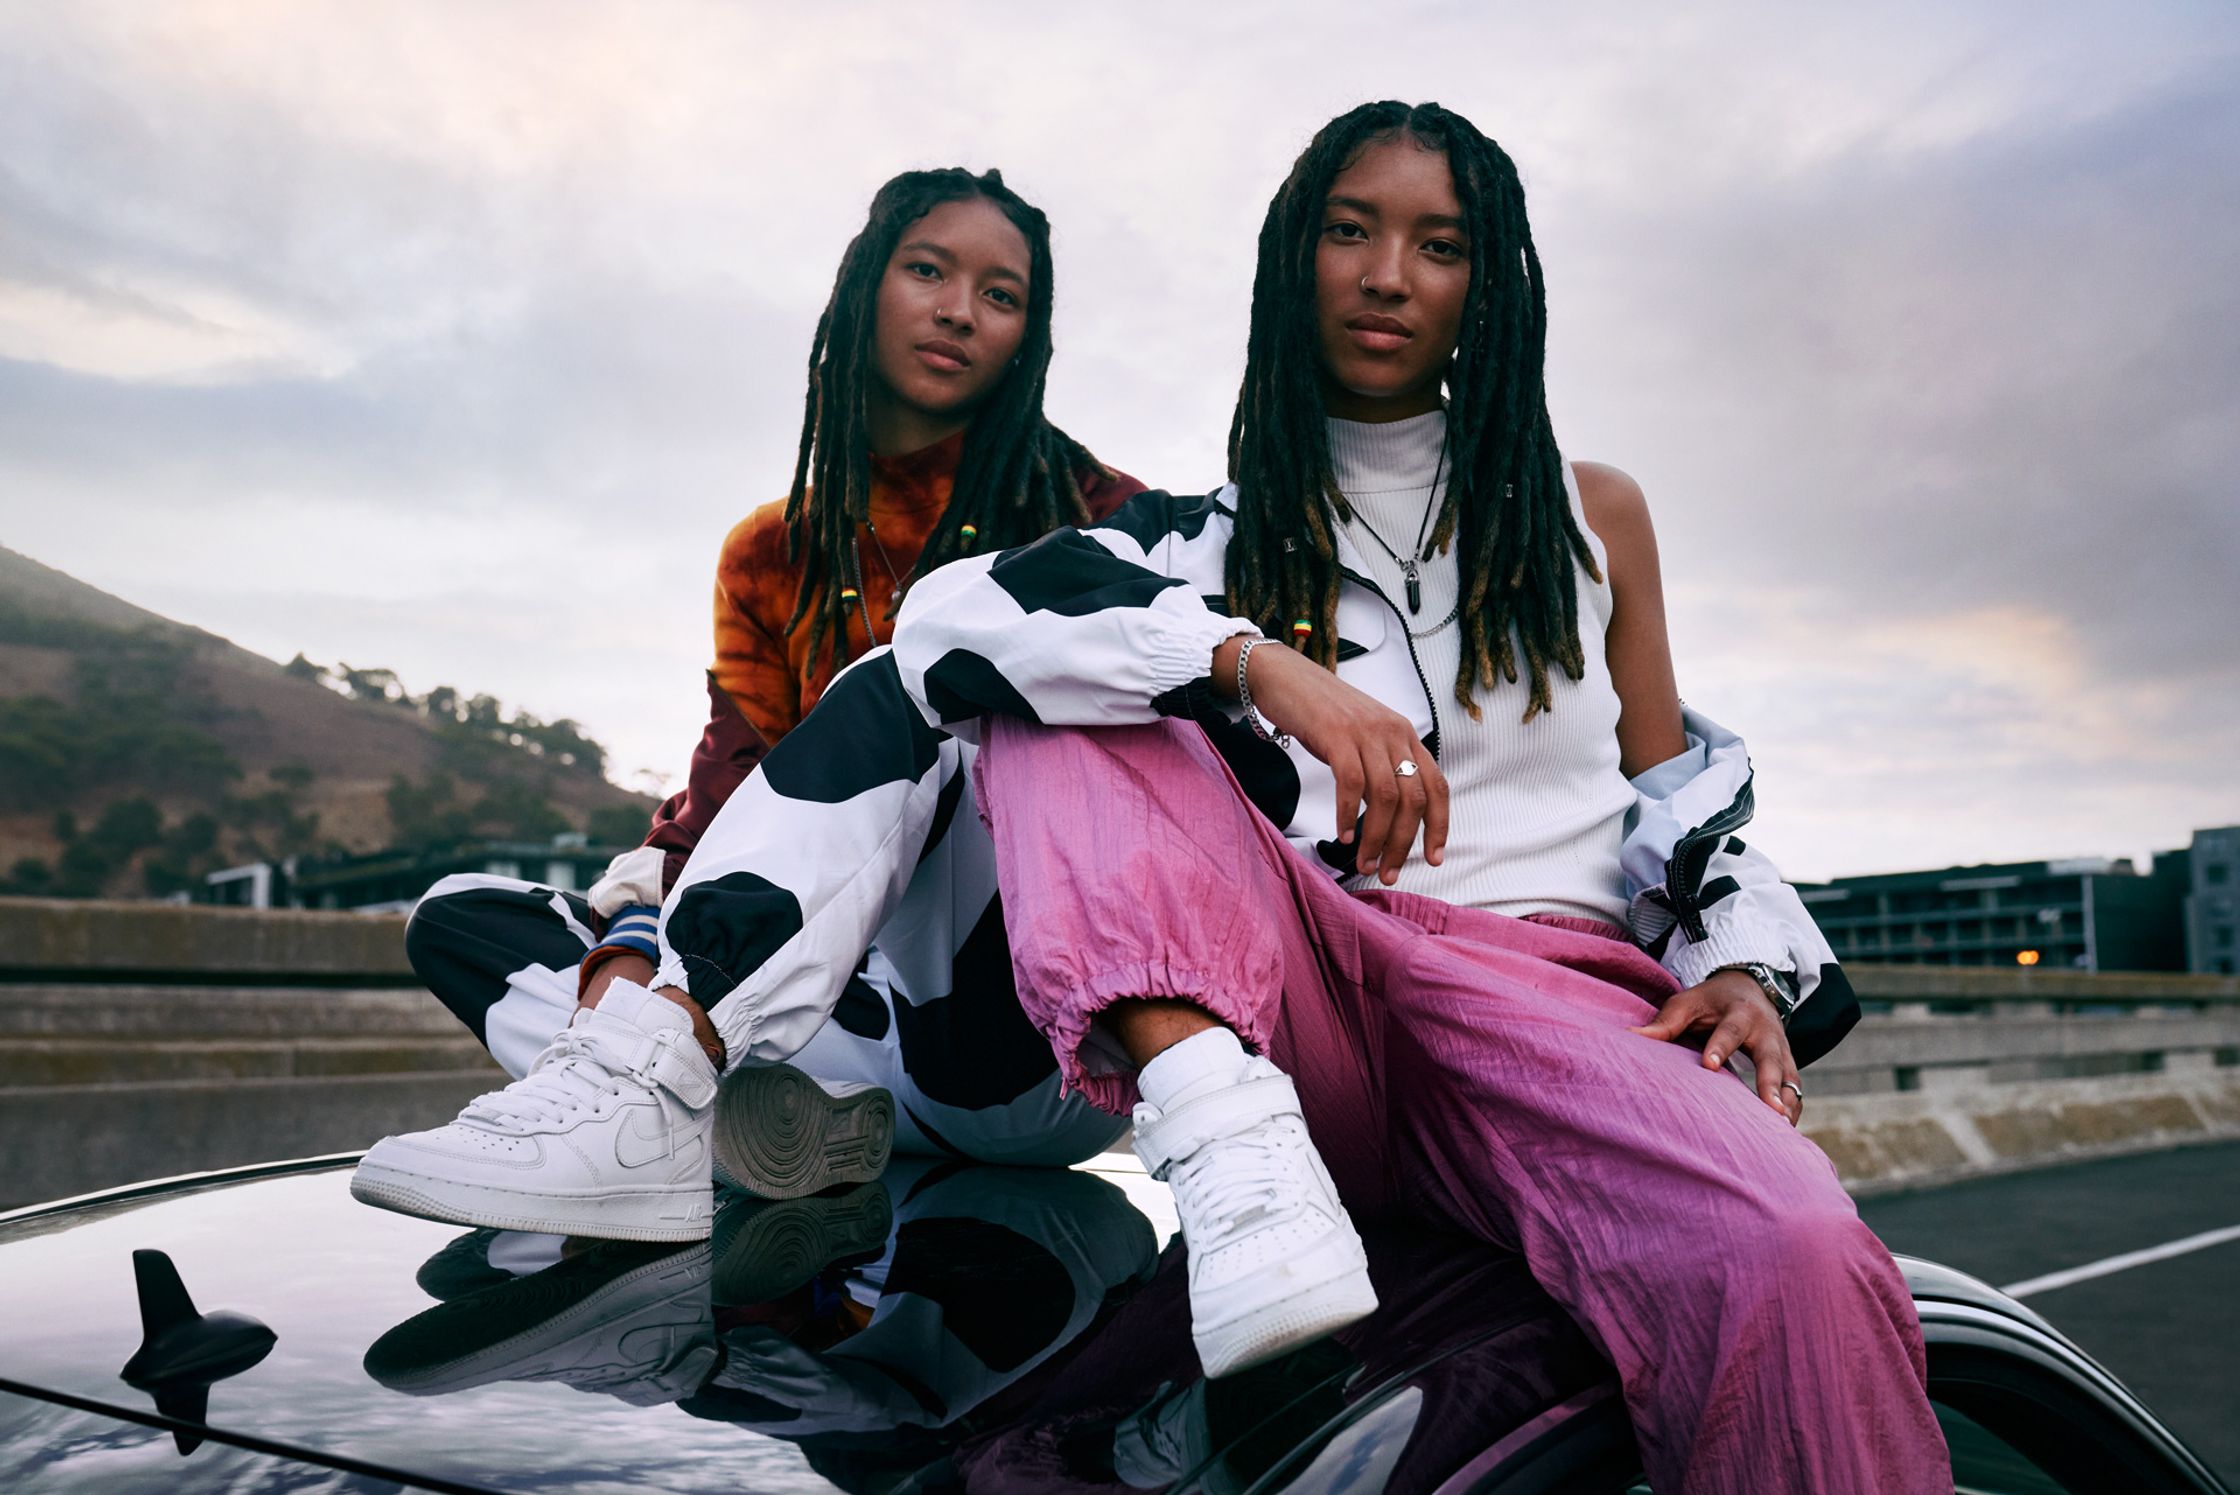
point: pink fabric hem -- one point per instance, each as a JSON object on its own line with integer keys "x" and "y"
{"x": 1068, "y": 1026}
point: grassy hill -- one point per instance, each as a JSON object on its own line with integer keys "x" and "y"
{"x": 137, "y": 753}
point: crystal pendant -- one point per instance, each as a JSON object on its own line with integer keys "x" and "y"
{"x": 1415, "y": 587}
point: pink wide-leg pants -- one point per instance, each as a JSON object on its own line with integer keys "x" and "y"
{"x": 1475, "y": 1070}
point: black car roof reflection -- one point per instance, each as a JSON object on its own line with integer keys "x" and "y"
{"x": 949, "y": 1328}
{"x": 970, "y": 1327}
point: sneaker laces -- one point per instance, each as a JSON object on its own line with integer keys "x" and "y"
{"x": 1227, "y": 1177}
{"x": 567, "y": 1077}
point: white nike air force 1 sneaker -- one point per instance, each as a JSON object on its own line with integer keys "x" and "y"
{"x": 606, "y": 1136}
{"x": 1274, "y": 1259}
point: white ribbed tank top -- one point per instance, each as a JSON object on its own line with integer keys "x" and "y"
{"x": 1536, "y": 810}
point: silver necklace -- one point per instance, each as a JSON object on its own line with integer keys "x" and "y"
{"x": 894, "y": 598}
{"x": 1408, "y": 564}
{"x": 855, "y": 574}
{"x": 1440, "y": 626}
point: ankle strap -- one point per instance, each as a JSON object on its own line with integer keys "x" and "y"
{"x": 673, "y": 1060}
{"x": 1221, "y": 1113}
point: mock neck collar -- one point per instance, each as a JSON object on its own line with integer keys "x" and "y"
{"x": 1397, "y": 456}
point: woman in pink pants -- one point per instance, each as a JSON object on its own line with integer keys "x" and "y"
{"x": 1404, "y": 919}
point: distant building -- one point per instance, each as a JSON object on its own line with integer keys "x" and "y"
{"x": 2212, "y": 907}
{"x": 389, "y": 881}
{"x": 2088, "y": 914}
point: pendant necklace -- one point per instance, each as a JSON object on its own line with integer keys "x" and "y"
{"x": 894, "y": 598}
{"x": 1408, "y": 563}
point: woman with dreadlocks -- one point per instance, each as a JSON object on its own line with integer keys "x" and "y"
{"x": 1408, "y": 613}
{"x": 923, "y": 438}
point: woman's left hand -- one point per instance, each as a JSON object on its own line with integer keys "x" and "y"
{"x": 1736, "y": 1011}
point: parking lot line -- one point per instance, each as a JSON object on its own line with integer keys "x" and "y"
{"x": 2128, "y": 1259}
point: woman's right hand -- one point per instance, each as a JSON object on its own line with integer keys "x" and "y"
{"x": 1364, "y": 741}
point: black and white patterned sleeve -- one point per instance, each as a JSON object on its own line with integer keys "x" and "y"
{"x": 1702, "y": 898}
{"x": 1096, "y": 627}
{"x": 805, "y": 862}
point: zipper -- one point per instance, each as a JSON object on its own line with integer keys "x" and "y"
{"x": 1691, "y": 857}
{"x": 1409, "y": 643}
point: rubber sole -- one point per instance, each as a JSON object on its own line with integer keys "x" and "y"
{"x": 765, "y": 1248}
{"x": 677, "y": 1215}
{"x": 1283, "y": 1326}
{"x": 497, "y": 1333}
{"x": 780, "y": 1135}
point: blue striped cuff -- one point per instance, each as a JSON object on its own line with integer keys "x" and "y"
{"x": 636, "y": 928}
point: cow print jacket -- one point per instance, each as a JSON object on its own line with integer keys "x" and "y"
{"x": 854, "y": 833}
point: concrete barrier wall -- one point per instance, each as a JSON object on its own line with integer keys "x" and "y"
{"x": 73, "y": 1139}
{"x": 139, "y": 1040}
{"x": 1886, "y": 1143}
{"x": 70, "y": 939}
{"x": 2034, "y": 984}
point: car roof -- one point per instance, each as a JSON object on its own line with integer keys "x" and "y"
{"x": 351, "y": 1380}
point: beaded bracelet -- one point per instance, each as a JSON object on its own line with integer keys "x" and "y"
{"x": 1261, "y": 727}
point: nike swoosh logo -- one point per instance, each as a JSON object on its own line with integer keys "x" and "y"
{"x": 635, "y": 1146}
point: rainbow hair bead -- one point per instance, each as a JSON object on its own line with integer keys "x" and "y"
{"x": 848, "y": 594}
{"x": 968, "y": 533}
{"x": 1301, "y": 628}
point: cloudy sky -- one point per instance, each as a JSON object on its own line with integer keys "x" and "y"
{"x": 452, "y": 338}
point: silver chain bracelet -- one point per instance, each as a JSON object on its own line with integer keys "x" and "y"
{"x": 1261, "y": 727}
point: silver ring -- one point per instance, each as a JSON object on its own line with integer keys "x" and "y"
{"x": 1790, "y": 1085}
{"x": 1406, "y": 768}
{"x": 1365, "y": 285}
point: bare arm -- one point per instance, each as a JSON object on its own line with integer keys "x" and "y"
{"x": 1728, "y": 1003}
{"x": 1637, "y": 647}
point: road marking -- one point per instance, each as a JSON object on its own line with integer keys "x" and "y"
{"x": 2125, "y": 1262}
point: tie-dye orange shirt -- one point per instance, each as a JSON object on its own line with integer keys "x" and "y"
{"x": 770, "y": 674}
{"x": 764, "y": 679}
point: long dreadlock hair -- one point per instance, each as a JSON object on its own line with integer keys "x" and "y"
{"x": 1505, "y": 504}
{"x": 1019, "y": 475}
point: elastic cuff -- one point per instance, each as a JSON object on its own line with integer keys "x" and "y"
{"x": 1178, "y": 652}
{"x": 636, "y": 927}
{"x": 1693, "y": 963}
{"x": 1068, "y": 1027}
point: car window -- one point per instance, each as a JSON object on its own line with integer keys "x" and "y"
{"x": 1983, "y": 1463}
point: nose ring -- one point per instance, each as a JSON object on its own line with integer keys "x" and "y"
{"x": 1365, "y": 285}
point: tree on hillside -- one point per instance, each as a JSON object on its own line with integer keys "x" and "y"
{"x": 135, "y": 720}
{"x": 133, "y": 737}
{"x": 379, "y": 686}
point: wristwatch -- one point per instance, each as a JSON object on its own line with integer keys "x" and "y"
{"x": 1779, "y": 986}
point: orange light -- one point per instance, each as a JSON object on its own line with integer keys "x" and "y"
{"x": 2025, "y": 957}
